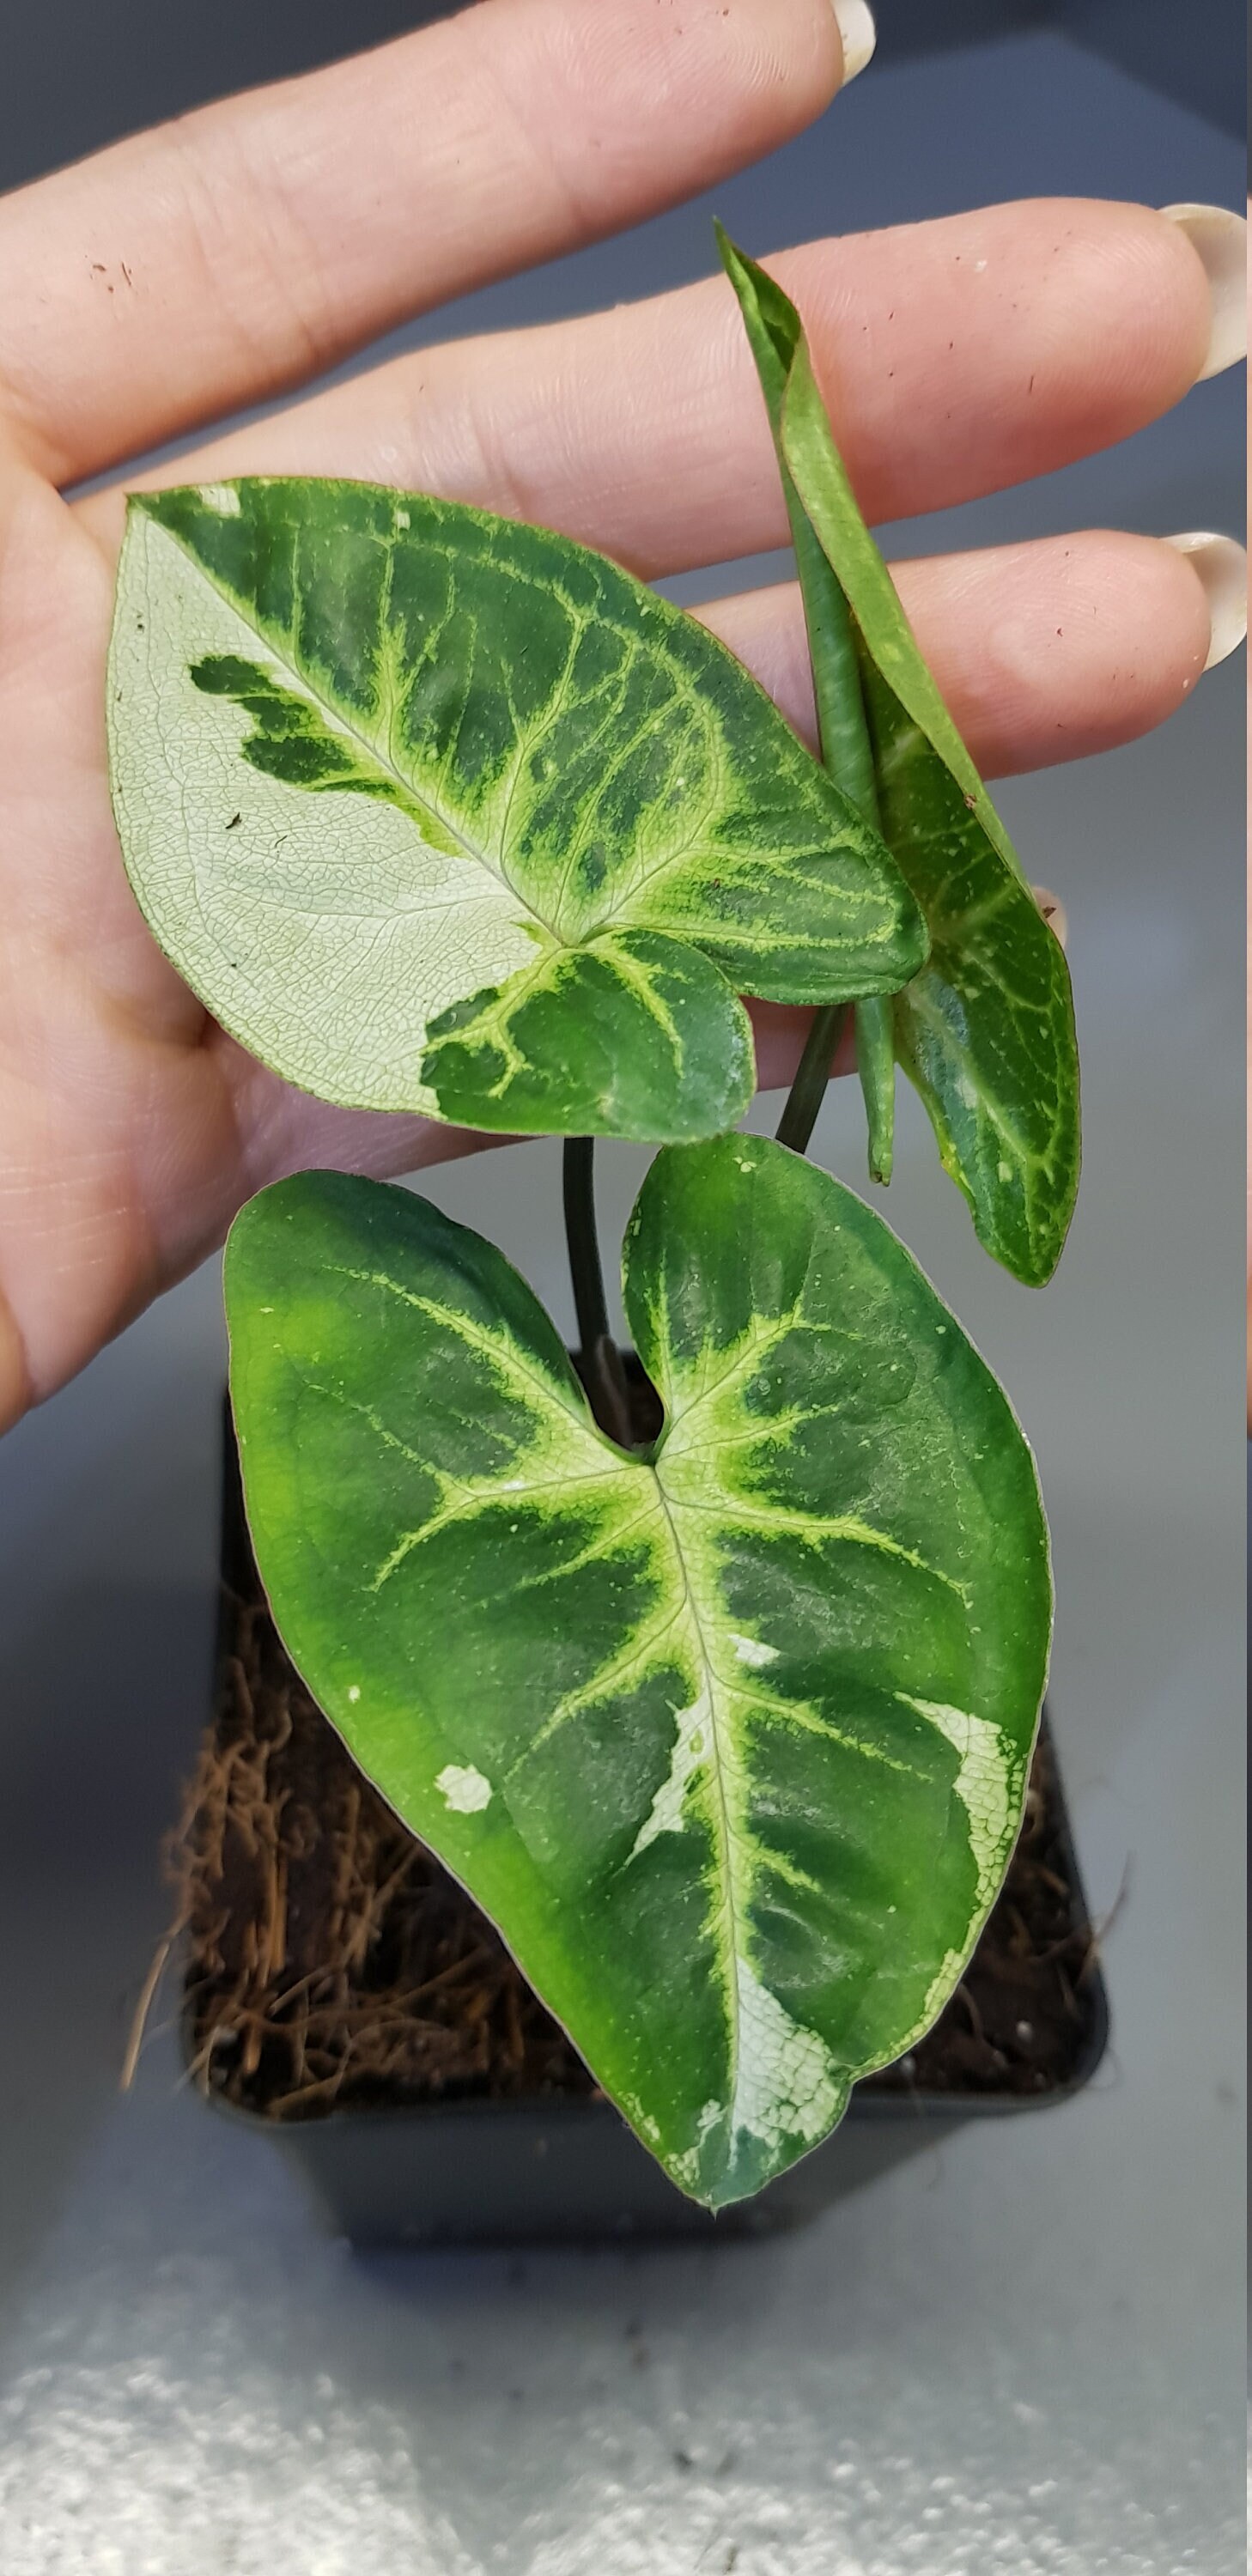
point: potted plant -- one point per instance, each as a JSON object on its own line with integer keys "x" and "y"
{"x": 714, "y": 1681}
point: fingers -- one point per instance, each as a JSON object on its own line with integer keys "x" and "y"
{"x": 779, "y": 1033}
{"x": 1044, "y": 652}
{"x": 956, "y": 356}
{"x": 244, "y": 248}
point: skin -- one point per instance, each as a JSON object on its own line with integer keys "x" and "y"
{"x": 237, "y": 254}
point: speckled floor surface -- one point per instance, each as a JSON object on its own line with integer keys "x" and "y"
{"x": 1024, "y": 2353}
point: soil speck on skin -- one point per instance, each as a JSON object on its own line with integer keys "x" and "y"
{"x": 331, "y": 1961}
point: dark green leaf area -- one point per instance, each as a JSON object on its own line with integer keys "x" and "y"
{"x": 541, "y": 756}
{"x": 461, "y": 1565}
{"x": 876, "y": 1065}
{"x": 729, "y": 1738}
{"x": 986, "y": 1031}
{"x": 291, "y": 738}
{"x": 632, "y": 1036}
{"x": 310, "y": 574}
{"x": 772, "y": 325}
{"x": 603, "y": 752}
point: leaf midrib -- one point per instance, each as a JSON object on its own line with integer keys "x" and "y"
{"x": 725, "y": 1835}
{"x": 466, "y": 847}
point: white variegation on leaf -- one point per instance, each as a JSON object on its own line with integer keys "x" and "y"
{"x": 440, "y": 813}
{"x": 728, "y": 1736}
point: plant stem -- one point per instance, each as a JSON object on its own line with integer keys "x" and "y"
{"x": 603, "y": 1374}
{"x": 812, "y": 1075}
{"x": 578, "y": 1182}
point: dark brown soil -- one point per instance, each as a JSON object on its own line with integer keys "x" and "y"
{"x": 332, "y": 1961}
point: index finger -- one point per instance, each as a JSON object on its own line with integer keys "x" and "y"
{"x": 247, "y": 247}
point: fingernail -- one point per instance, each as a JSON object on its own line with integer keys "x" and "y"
{"x": 1054, "y": 912}
{"x": 1221, "y": 240}
{"x": 1222, "y": 566}
{"x": 857, "y": 34}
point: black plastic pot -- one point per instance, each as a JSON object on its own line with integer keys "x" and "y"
{"x": 567, "y": 2168}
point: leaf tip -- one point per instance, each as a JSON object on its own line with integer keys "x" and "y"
{"x": 732, "y": 258}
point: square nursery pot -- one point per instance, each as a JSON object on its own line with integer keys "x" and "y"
{"x": 344, "y": 1993}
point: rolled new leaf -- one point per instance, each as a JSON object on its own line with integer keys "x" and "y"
{"x": 439, "y": 813}
{"x": 986, "y": 1030}
{"x": 730, "y": 1737}
{"x": 843, "y": 729}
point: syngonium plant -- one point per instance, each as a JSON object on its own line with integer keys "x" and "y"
{"x": 728, "y": 1732}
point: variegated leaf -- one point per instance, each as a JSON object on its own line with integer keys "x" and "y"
{"x": 729, "y": 1737}
{"x": 440, "y": 813}
{"x": 986, "y": 1030}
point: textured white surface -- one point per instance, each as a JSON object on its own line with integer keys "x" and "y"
{"x": 1023, "y": 2354}
{"x": 328, "y": 919}
{"x": 981, "y": 1783}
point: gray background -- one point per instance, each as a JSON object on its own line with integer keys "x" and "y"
{"x": 1025, "y": 2352}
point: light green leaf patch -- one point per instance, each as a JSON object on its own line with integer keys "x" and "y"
{"x": 729, "y": 1737}
{"x": 440, "y": 813}
{"x": 986, "y": 1030}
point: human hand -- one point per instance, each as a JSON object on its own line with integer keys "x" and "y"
{"x": 215, "y": 262}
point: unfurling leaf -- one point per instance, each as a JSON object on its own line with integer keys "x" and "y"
{"x": 729, "y": 1737}
{"x": 843, "y": 728}
{"x": 440, "y": 813}
{"x": 986, "y": 1030}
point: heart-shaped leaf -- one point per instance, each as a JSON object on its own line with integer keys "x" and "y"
{"x": 440, "y": 813}
{"x": 986, "y": 1030}
{"x": 729, "y": 1738}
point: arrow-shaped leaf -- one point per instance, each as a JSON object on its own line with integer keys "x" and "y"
{"x": 730, "y": 1737}
{"x": 986, "y": 1030}
{"x": 440, "y": 813}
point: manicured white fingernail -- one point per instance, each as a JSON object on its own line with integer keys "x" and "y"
{"x": 857, "y": 34}
{"x": 1054, "y": 912}
{"x": 1221, "y": 239}
{"x": 1222, "y": 566}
